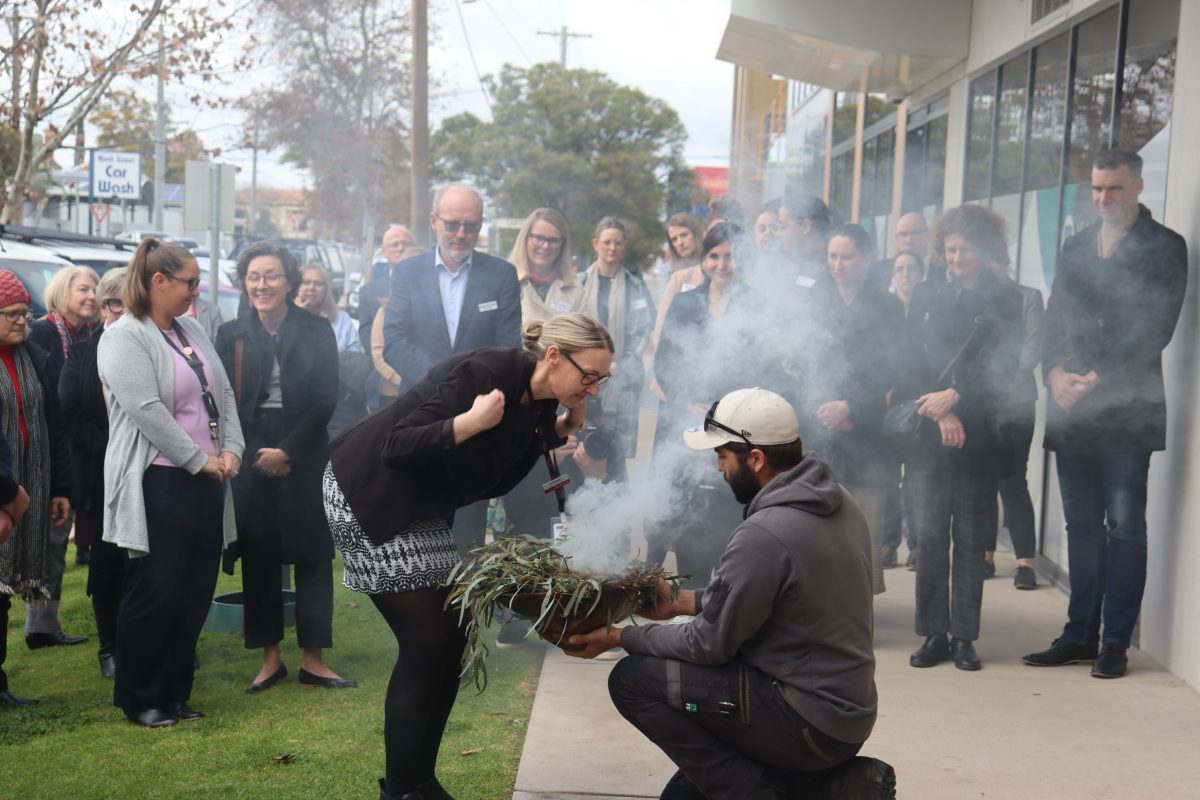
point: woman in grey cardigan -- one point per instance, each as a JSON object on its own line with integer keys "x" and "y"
{"x": 174, "y": 444}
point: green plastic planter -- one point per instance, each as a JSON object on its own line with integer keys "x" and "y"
{"x": 227, "y": 611}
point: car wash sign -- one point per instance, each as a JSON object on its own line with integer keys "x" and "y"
{"x": 116, "y": 174}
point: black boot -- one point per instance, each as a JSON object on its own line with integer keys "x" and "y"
{"x": 417, "y": 794}
{"x": 106, "y": 631}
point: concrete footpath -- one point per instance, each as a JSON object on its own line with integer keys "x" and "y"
{"x": 1007, "y": 731}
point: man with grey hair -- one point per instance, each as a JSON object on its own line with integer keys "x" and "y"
{"x": 397, "y": 240}
{"x": 449, "y": 301}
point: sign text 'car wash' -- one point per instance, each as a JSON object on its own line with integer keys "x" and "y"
{"x": 116, "y": 174}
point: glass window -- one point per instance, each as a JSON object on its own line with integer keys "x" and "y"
{"x": 1147, "y": 87}
{"x": 1091, "y": 115}
{"x": 806, "y": 145}
{"x": 914, "y": 168}
{"x": 845, "y": 116}
{"x": 1010, "y": 146}
{"x": 935, "y": 168}
{"x": 877, "y": 109}
{"x": 1039, "y": 228}
{"x": 979, "y": 137}
{"x": 842, "y": 184}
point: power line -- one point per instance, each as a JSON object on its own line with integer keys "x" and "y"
{"x": 512, "y": 38}
{"x": 471, "y": 52}
{"x": 563, "y": 35}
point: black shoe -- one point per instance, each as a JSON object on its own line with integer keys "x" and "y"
{"x": 7, "y": 698}
{"x": 308, "y": 679}
{"x": 416, "y": 794}
{"x": 267, "y": 683}
{"x": 1111, "y": 663}
{"x": 935, "y": 650}
{"x": 680, "y": 788}
{"x": 37, "y": 641}
{"x": 1025, "y": 578}
{"x": 862, "y": 778}
{"x": 151, "y": 718}
{"x": 989, "y": 569}
{"x": 108, "y": 665}
{"x": 183, "y": 712}
{"x": 911, "y": 563}
{"x": 963, "y": 653}
{"x": 888, "y": 557}
{"x": 1060, "y": 653}
{"x": 83, "y": 559}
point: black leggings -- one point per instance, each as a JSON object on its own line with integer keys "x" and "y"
{"x": 423, "y": 686}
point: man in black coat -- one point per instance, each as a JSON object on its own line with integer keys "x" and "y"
{"x": 1116, "y": 297}
{"x": 452, "y": 300}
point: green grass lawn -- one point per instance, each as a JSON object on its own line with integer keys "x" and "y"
{"x": 288, "y": 742}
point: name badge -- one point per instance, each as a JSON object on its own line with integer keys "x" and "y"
{"x": 561, "y": 306}
{"x": 490, "y": 305}
{"x": 687, "y": 287}
{"x": 804, "y": 282}
{"x": 639, "y": 304}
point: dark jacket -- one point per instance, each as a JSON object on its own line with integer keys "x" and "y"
{"x": 44, "y": 334}
{"x": 308, "y": 379}
{"x": 8, "y": 484}
{"x": 369, "y": 296}
{"x": 940, "y": 318}
{"x": 401, "y": 464}
{"x": 792, "y": 598}
{"x": 1114, "y": 316}
{"x": 854, "y": 355}
{"x": 60, "y": 457}
{"x": 86, "y": 417}
{"x": 415, "y": 323}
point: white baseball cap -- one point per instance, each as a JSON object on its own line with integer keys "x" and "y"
{"x": 756, "y": 417}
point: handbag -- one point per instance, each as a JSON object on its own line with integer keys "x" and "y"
{"x": 902, "y": 425}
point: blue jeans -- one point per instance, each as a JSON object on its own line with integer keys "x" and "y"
{"x": 1104, "y": 502}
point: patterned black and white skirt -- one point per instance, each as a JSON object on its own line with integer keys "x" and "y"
{"x": 418, "y": 557}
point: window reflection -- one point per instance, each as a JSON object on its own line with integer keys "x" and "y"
{"x": 979, "y": 137}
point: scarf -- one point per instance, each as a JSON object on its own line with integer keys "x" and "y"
{"x": 23, "y": 556}
{"x": 68, "y": 334}
{"x": 590, "y": 304}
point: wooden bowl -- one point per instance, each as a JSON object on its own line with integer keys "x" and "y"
{"x": 617, "y": 603}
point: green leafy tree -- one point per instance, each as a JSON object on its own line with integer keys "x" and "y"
{"x": 126, "y": 122}
{"x": 574, "y": 140}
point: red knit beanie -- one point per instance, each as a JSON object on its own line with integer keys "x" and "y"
{"x": 12, "y": 291}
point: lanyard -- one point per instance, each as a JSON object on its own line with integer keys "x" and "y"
{"x": 558, "y": 482}
{"x": 189, "y": 355}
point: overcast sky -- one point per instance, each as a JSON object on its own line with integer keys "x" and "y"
{"x": 667, "y": 48}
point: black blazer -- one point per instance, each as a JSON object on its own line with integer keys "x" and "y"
{"x": 415, "y": 324}
{"x": 81, "y": 398}
{"x": 1114, "y": 316}
{"x": 401, "y": 464}
{"x": 308, "y": 379}
{"x": 44, "y": 334}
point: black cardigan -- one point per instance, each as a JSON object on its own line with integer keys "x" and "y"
{"x": 85, "y": 414}
{"x": 401, "y": 464}
{"x": 308, "y": 380}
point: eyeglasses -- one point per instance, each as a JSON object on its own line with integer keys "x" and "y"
{"x": 114, "y": 305}
{"x": 270, "y": 279}
{"x": 452, "y": 225}
{"x": 545, "y": 241}
{"x": 18, "y": 313}
{"x": 586, "y": 377}
{"x": 312, "y": 283}
{"x": 192, "y": 283}
{"x": 709, "y": 422}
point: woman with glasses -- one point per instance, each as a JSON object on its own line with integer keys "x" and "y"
{"x": 173, "y": 444}
{"x": 354, "y": 365}
{"x": 712, "y": 318}
{"x": 83, "y": 410}
{"x": 613, "y": 294}
{"x": 283, "y": 363}
{"x": 35, "y": 432}
{"x": 542, "y": 256}
{"x": 470, "y": 430}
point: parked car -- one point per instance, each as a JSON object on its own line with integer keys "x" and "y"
{"x": 34, "y": 266}
{"x": 308, "y": 251}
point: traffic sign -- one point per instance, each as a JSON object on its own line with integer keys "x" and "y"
{"x": 116, "y": 174}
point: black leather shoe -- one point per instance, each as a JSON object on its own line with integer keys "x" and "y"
{"x": 151, "y": 718}
{"x": 989, "y": 569}
{"x": 7, "y": 698}
{"x": 183, "y": 712}
{"x": 1025, "y": 578}
{"x": 963, "y": 653}
{"x": 308, "y": 679}
{"x": 108, "y": 665}
{"x": 267, "y": 683}
{"x": 1060, "y": 653}
{"x": 39, "y": 640}
{"x": 1112, "y": 662}
{"x": 432, "y": 790}
{"x": 935, "y": 650}
{"x": 862, "y": 778}
{"x": 416, "y": 794}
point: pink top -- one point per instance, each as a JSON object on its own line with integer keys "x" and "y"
{"x": 188, "y": 406}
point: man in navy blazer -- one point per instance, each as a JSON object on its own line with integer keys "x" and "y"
{"x": 453, "y": 299}
{"x": 450, "y": 301}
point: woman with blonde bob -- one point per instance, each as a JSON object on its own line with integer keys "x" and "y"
{"x": 470, "y": 430}
{"x": 542, "y": 256}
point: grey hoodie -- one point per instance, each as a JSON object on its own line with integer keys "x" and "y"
{"x": 792, "y": 598}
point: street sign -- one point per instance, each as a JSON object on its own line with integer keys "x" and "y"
{"x": 198, "y": 199}
{"x": 116, "y": 174}
{"x": 100, "y": 212}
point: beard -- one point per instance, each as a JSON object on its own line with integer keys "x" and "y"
{"x": 743, "y": 483}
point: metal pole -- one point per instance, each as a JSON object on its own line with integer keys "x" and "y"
{"x": 419, "y": 171}
{"x": 160, "y": 138}
{"x": 214, "y": 231}
{"x": 562, "y": 47}
{"x": 253, "y": 223}
{"x": 91, "y": 184}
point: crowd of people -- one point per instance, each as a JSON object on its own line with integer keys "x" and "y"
{"x": 910, "y": 380}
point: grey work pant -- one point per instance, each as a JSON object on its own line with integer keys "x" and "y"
{"x": 41, "y": 615}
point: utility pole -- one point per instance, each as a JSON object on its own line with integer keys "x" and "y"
{"x": 253, "y": 221}
{"x": 419, "y": 169}
{"x": 160, "y": 136}
{"x": 563, "y": 35}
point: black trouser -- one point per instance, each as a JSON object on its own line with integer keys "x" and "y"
{"x": 168, "y": 591}
{"x": 5, "y": 605}
{"x": 1014, "y": 491}
{"x": 262, "y": 593}
{"x": 106, "y": 572}
{"x": 722, "y": 750}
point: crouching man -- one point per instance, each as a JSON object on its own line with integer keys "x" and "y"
{"x": 770, "y": 689}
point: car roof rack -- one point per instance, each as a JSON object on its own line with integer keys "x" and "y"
{"x": 24, "y": 233}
